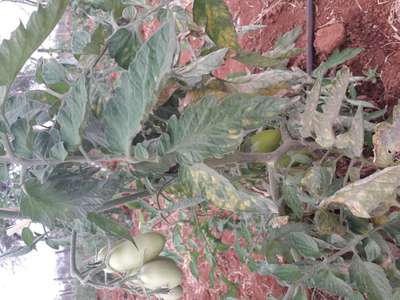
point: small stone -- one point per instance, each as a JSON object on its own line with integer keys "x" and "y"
{"x": 329, "y": 38}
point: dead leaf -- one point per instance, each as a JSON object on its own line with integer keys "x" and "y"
{"x": 386, "y": 141}
{"x": 321, "y": 123}
{"x": 352, "y": 142}
{"x": 371, "y": 196}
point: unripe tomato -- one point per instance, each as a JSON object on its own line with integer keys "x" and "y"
{"x": 124, "y": 256}
{"x": 266, "y": 141}
{"x": 160, "y": 273}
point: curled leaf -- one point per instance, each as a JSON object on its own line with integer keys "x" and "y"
{"x": 192, "y": 73}
{"x": 321, "y": 123}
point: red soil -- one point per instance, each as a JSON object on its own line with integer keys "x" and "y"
{"x": 365, "y": 23}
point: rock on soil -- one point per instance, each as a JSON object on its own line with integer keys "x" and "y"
{"x": 329, "y": 38}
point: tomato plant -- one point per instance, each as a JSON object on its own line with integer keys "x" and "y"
{"x": 126, "y": 125}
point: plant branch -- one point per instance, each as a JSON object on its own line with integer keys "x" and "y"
{"x": 122, "y": 200}
{"x": 10, "y": 213}
{"x": 245, "y": 157}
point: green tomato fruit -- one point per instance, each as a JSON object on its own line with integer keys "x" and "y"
{"x": 266, "y": 141}
{"x": 124, "y": 256}
{"x": 159, "y": 273}
{"x": 173, "y": 294}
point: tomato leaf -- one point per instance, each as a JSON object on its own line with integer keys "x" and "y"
{"x": 137, "y": 94}
{"x": 217, "y": 126}
{"x": 285, "y": 272}
{"x": 72, "y": 115}
{"x": 370, "y": 196}
{"x": 192, "y": 73}
{"x": 321, "y": 123}
{"x": 386, "y": 141}
{"x": 195, "y": 182}
{"x": 215, "y": 16}
{"x": 25, "y": 40}
{"x": 304, "y": 244}
{"x": 336, "y": 59}
{"x": 27, "y": 236}
{"x": 110, "y": 226}
{"x": 370, "y": 279}
{"x": 123, "y": 46}
{"x": 326, "y": 280}
{"x": 279, "y": 55}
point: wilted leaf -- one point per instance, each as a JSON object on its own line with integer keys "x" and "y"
{"x": 123, "y": 46}
{"x": 110, "y": 226}
{"x": 279, "y": 55}
{"x": 212, "y": 128}
{"x": 336, "y": 59}
{"x": 369, "y": 197}
{"x": 201, "y": 181}
{"x": 321, "y": 123}
{"x": 192, "y": 73}
{"x": 269, "y": 83}
{"x": 27, "y": 236}
{"x": 370, "y": 279}
{"x": 352, "y": 142}
{"x": 304, "y": 244}
{"x": 139, "y": 87}
{"x": 387, "y": 141}
{"x": 25, "y": 40}
{"x": 23, "y": 138}
{"x": 326, "y": 280}
{"x": 72, "y": 113}
{"x": 268, "y": 60}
